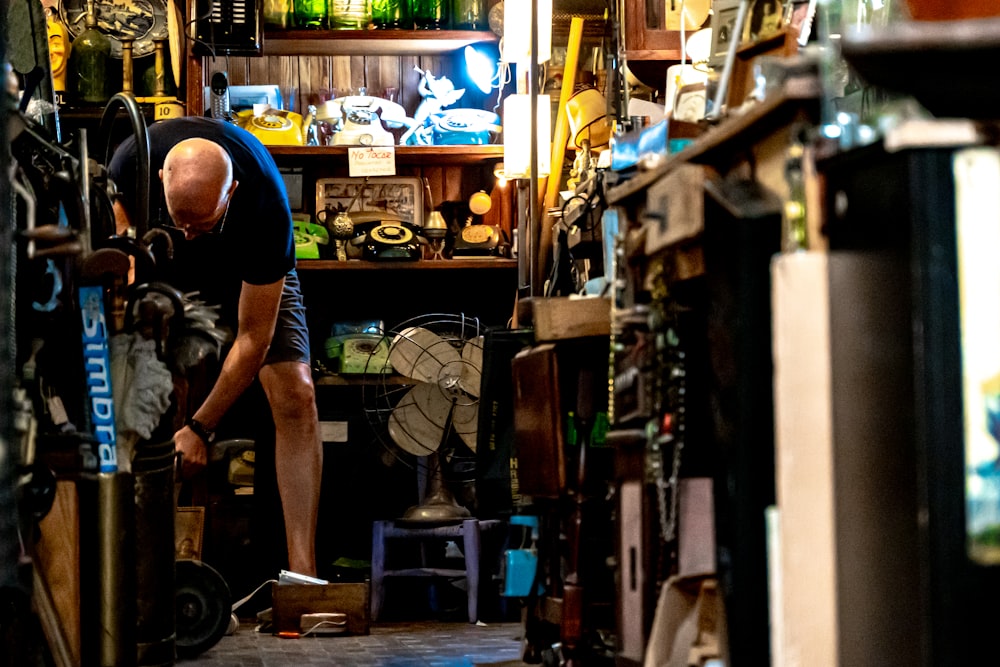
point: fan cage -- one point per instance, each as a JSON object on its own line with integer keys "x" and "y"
{"x": 382, "y": 394}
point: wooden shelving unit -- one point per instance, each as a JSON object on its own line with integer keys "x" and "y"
{"x": 485, "y": 264}
{"x": 372, "y": 42}
{"x": 411, "y": 155}
{"x": 799, "y": 99}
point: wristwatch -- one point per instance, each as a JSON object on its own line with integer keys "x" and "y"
{"x": 200, "y": 430}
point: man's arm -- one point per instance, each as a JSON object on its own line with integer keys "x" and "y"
{"x": 122, "y": 218}
{"x": 258, "y": 312}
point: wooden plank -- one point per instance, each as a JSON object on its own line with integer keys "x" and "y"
{"x": 389, "y": 42}
{"x": 409, "y": 79}
{"x": 341, "y": 78}
{"x": 57, "y": 557}
{"x": 559, "y": 318}
{"x": 283, "y": 70}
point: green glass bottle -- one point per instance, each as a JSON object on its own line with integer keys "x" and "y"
{"x": 311, "y": 14}
{"x": 89, "y": 61}
{"x": 469, "y": 15}
{"x": 431, "y": 14}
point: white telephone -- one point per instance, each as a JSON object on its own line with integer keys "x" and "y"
{"x": 361, "y": 119}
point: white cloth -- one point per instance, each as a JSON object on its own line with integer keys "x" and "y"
{"x": 142, "y": 386}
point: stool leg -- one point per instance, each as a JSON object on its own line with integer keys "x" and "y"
{"x": 378, "y": 568}
{"x": 470, "y": 539}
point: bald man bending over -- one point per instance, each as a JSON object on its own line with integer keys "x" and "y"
{"x": 221, "y": 191}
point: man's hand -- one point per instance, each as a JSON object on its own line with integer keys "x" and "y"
{"x": 193, "y": 451}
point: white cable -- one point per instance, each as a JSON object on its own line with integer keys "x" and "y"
{"x": 241, "y": 602}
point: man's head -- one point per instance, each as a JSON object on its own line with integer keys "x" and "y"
{"x": 198, "y": 184}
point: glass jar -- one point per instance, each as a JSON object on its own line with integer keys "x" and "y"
{"x": 391, "y": 14}
{"x": 469, "y": 15}
{"x": 430, "y": 14}
{"x": 350, "y": 14}
{"x": 278, "y": 14}
{"x": 311, "y": 14}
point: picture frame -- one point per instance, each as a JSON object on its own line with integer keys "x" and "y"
{"x": 189, "y": 531}
{"x": 401, "y": 197}
{"x": 724, "y": 27}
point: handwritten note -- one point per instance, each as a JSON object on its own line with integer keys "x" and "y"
{"x": 372, "y": 161}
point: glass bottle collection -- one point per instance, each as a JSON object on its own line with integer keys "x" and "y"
{"x": 377, "y": 14}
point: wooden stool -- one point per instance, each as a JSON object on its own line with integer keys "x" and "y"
{"x": 468, "y": 530}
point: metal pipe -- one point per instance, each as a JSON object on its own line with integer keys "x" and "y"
{"x": 116, "y": 567}
{"x": 127, "y": 102}
{"x": 534, "y": 219}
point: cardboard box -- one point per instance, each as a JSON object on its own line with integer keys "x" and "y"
{"x": 290, "y": 602}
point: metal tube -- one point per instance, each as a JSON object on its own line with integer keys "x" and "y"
{"x": 534, "y": 224}
{"x": 116, "y": 567}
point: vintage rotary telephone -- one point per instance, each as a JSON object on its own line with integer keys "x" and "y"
{"x": 382, "y": 236}
{"x": 478, "y": 240}
{"x": 360, "y": 120}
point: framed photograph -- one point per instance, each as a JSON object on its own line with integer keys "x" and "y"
{"x": 189, "y": 530}
{"x": 400, "y": 196}
{"x": 723, "y": 28}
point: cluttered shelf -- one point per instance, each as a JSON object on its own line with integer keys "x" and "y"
{"x": 360, "y": 379}
{"x": 799, "y": 97}
{"x": 483, "y": 264}
{"x": 371, "y": 42}
{"x": 412, "y": 155}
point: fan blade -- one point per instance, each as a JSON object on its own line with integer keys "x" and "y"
{"x": 465, "y": 422}
{"x": 472, "y": 366}
{"x": 421, "y": 354}
{"x": 418, "y": 420}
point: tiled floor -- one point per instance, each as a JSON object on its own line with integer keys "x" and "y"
{"x": 403, "y": 644}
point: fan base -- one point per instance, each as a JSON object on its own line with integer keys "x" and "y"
{"x": 439, "y": 507}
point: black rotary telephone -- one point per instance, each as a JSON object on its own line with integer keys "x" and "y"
{"x": 386, "y": 237}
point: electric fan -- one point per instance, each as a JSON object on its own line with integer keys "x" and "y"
{"x": 424, "y": 403}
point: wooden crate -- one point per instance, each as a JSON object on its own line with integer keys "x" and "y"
{"x": 290, "y": 602}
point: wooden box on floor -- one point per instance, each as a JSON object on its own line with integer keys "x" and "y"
{"x": 290, "y": 602}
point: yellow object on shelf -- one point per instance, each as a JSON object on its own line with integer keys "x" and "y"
{"x": 273, "y": 127}
{"x": 59, "y": 49}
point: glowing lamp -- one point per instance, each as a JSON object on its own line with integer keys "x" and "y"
{"x": 517, "y": 136}
{"x": 515, "y": 46}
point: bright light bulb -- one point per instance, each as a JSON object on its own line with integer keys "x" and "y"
{"x": 480, "y": 69}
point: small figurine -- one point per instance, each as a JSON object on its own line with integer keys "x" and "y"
{"x": 437, "y": 93}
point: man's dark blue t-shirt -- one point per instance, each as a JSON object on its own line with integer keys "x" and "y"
{"x": 256, "y": 244}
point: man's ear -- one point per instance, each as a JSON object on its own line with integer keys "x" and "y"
{"x": 232, "y": 188}
{"x": 160, "y": 173}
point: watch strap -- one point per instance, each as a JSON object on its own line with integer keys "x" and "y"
{"x": 202, "y": 431}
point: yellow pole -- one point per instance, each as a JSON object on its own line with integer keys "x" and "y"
{"x": 561, "y": 136}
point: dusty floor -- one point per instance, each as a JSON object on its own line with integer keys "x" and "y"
{"x": 397, "y": 644}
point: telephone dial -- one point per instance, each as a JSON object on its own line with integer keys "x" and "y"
{"x": 478, "y": 240}
{"x": 388, "y": 238}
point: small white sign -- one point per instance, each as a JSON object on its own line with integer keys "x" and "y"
{"x": 333, "y": 431}
{"x": 372, "y": 161}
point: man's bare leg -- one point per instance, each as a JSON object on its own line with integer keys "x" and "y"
{"x": 298, "y": 457}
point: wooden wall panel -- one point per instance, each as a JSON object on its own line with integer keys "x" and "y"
{"x": 307, "y": 80}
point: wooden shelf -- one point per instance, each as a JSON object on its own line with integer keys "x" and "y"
{"x": 413, "y": 155}
{"x": 485, "y": 264}
{"x": 360, "y": 380}
{"x": 799, "y": 98}
{"x": 372, "y": 42}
